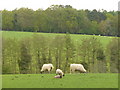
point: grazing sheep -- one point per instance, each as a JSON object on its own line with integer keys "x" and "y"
{"x": 58, "y": 71}
{"x": 77, "y": 67}
{"x": 47, "y": 67}
{"x": 58, "y": 76}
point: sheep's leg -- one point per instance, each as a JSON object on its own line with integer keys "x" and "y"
{"x": 71, "y": 71}
{"x": 41, "y": 72}
{"x": 49, "y": 71}
{"x": 80, "y": 71}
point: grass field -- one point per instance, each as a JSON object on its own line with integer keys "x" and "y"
{"x": 76, "y": 37}
{"x": 89, "y": 80}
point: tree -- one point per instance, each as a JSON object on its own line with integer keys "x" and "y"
{"x": 96, "y": 15}
{"x": 24, "y": 19}
{"x": 36, "y": 49}
{"x": 109, "y": 26}
{"x": 39, "y": 20}
{"x": 84, "y": 24}
{"x": 25, "y": 59}
{"x": 101, "y": 60}
{"x": 113, "y": 52}
{"x": 61, "y": 19}
{"x": 58, "y": 47}
{"x": 7, "y": 19}
{"x": 91, "y": 51}
{"x": 69, "y": 51}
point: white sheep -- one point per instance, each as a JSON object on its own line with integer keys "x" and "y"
{"x": 47, "y": 67}
{"x": 58, "y": 76}
{"x": 77, "y": 67}
{"x": 60, "y": 72}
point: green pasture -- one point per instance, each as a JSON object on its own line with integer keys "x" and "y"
{"x": 88, "y": 80}
{"x": 76, "y": 37}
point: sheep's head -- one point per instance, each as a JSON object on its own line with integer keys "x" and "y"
{"x": 41, "y": 72}
{"x": 60, "y": 76}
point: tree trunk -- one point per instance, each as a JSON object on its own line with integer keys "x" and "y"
{"x": 56, "y": 59}
{"x": 67, "y": 58}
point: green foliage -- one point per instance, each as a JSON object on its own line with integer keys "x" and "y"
{"x": 113, "y": 50}
{"x": 58, "y": 45}
{"x": 100, "y": 54}
{"x": 61, "y": 19}
{"x": 7, "y": 20}
{"x": 69, "y": 51}
{"x": 10, "y": 54}
{"x": 96, "y": 15}
{"x": 109, "y": 26}
{"x": 25, "y": 58}
{"x": 91, "y": 51}
{"x": 6, "y": 70}
{"x": 25, "y": 52}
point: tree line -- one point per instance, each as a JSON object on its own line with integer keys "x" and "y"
{"x": 23, "y": 58}
{"x": 61, "y": 19}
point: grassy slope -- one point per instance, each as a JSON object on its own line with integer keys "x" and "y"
{"x": 91, "y": 80}
{"x": 76, "y": 37}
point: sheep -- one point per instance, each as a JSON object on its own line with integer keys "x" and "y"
{"x": 58, "y": 76}
{"x": 77, "y": 67}
{"x": 58, "y": 71}
{"x": 47, "y": 67}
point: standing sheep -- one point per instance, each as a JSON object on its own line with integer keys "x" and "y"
{"x": 47, "y": 67}
{"x": 77, "y": 67}
{"x": 60, "y": 72}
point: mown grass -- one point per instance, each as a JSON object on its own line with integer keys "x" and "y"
{"x": 76, "y": 37}
{"x": 89, "y": 80}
